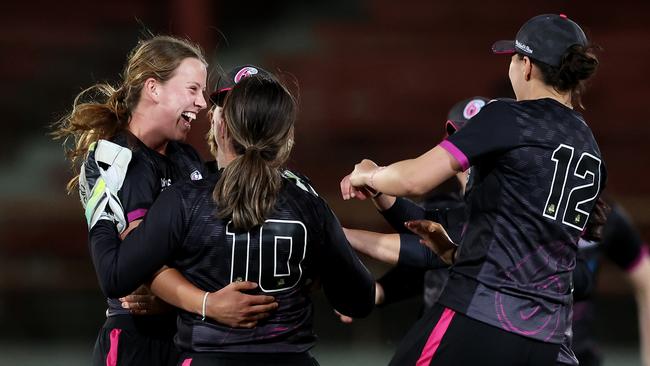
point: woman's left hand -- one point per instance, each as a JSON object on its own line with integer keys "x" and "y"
{"x": 355, "y": 185}
{"x": 348, "y": 191}
{"x": 143, "y": 302}
{"x": 362, "y": 172}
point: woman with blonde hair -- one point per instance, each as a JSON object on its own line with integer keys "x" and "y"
{"x": 140, "y": 125}
{"x": 250, "y": 221}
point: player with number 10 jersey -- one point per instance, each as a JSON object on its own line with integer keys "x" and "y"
{"x": 295, "y": 245}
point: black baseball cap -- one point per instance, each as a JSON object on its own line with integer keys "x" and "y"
{"x": 544, "y": 38}
{"x": 462, "y": 111}
{"x": 226, "y": 82}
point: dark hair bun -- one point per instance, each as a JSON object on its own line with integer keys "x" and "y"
{"x": 578, "y": 63}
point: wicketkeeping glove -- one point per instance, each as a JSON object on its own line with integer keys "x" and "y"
{"x": 100, "y": 178}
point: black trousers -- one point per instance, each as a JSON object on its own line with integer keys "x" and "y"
{"x": 247, "y": 359}
{"x": 126, "y": 340}
{"x": 443, "y": 337}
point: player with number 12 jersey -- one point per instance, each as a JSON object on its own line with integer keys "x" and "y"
{"x": 555, "y": 174}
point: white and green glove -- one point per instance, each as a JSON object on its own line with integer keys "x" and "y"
{"x": 100, "y": 178}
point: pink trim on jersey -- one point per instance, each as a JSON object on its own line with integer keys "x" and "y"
{"x": 111, "y": 358}
{"x": 136, "y": 214}
{"x": 435, "y": 337}
{"x": 456, "y": 153}
{"x": 187, "y": 362}
{"x": 642, "y": 254}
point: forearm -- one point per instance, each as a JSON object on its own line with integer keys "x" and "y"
{"x": 117, "y": 274}
{"x": 383, "y": 202}
{"x": 414, "y": 177}
{"x": 382, "y": 247}
{"x": 171, "y": 286}
{"x": 400, "y": 211}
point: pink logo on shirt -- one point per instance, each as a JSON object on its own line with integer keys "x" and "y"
{"x": 472, "y": 108}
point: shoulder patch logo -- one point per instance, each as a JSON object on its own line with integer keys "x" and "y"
{"x": 196, "y": 175}
{"x": 288, "y": 174}
{"x": 472, "y": 108}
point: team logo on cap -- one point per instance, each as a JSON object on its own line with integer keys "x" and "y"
{"x": 244, "y": 73}
{"x": 472, "y": 108}
{"x": 523, "y": 47}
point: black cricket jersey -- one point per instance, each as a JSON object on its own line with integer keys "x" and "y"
{"x": 536, "y": 175}
{"x": 622, "y": 244}
{"x": 300, "y": 244}
{"x": 148, "y": 174}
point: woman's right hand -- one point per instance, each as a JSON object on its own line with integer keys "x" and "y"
{"x": 232, "y": 307}
{"x": 434, "y": 236}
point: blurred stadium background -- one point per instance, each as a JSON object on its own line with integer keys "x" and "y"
{"x": 376, "y": 79}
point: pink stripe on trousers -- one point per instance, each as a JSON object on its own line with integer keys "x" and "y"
{"x": 111, "y": 358}
{"x": 435, "y": 338}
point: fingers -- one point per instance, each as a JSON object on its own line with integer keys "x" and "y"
{"x": 137, "y": 298}
{"x": 418, "y": 227}
{"x": 343, "y": 318}
{"x": 346, "y": 187}
{"x": 260, "y": 309}
{"x": 348, "y": 191}
{"x": 242, "y": 285}
{"x": 142, "y": 290}
{"x": 137, "y": 307}
{"x": 246, "y": 325}
{"x": 260, "y": 299}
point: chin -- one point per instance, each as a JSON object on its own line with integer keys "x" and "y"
{"x": 180, "y": 137}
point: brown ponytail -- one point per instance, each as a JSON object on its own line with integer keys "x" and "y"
{"x": 579, "y": 63}
{"x": 259, "y": 114}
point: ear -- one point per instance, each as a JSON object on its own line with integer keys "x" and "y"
{"x": 150, "y": 89}
{"x": 222, "y": 128}
{"x": 528, "y": 68}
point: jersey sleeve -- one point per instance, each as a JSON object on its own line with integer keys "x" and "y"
{"x": 492, "y": 131}
{"x": 584, "y": 277}
{"x": 416, "y": 255}
{"x": 140, "y": 188}
{"x": 401, "y": 211}
{"x": 621, "y": 241}
{"x": 122, "y": 267}
{"x": 347, "y": 284}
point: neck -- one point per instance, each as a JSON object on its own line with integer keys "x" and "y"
{"x": 225, "y": 157}
{"x": 145, "y": 130}
{"x": 539, "y": 90}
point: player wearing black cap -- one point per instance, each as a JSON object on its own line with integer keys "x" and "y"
{"x": 537, "y": 172}
{"x": 247, "y": 222}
